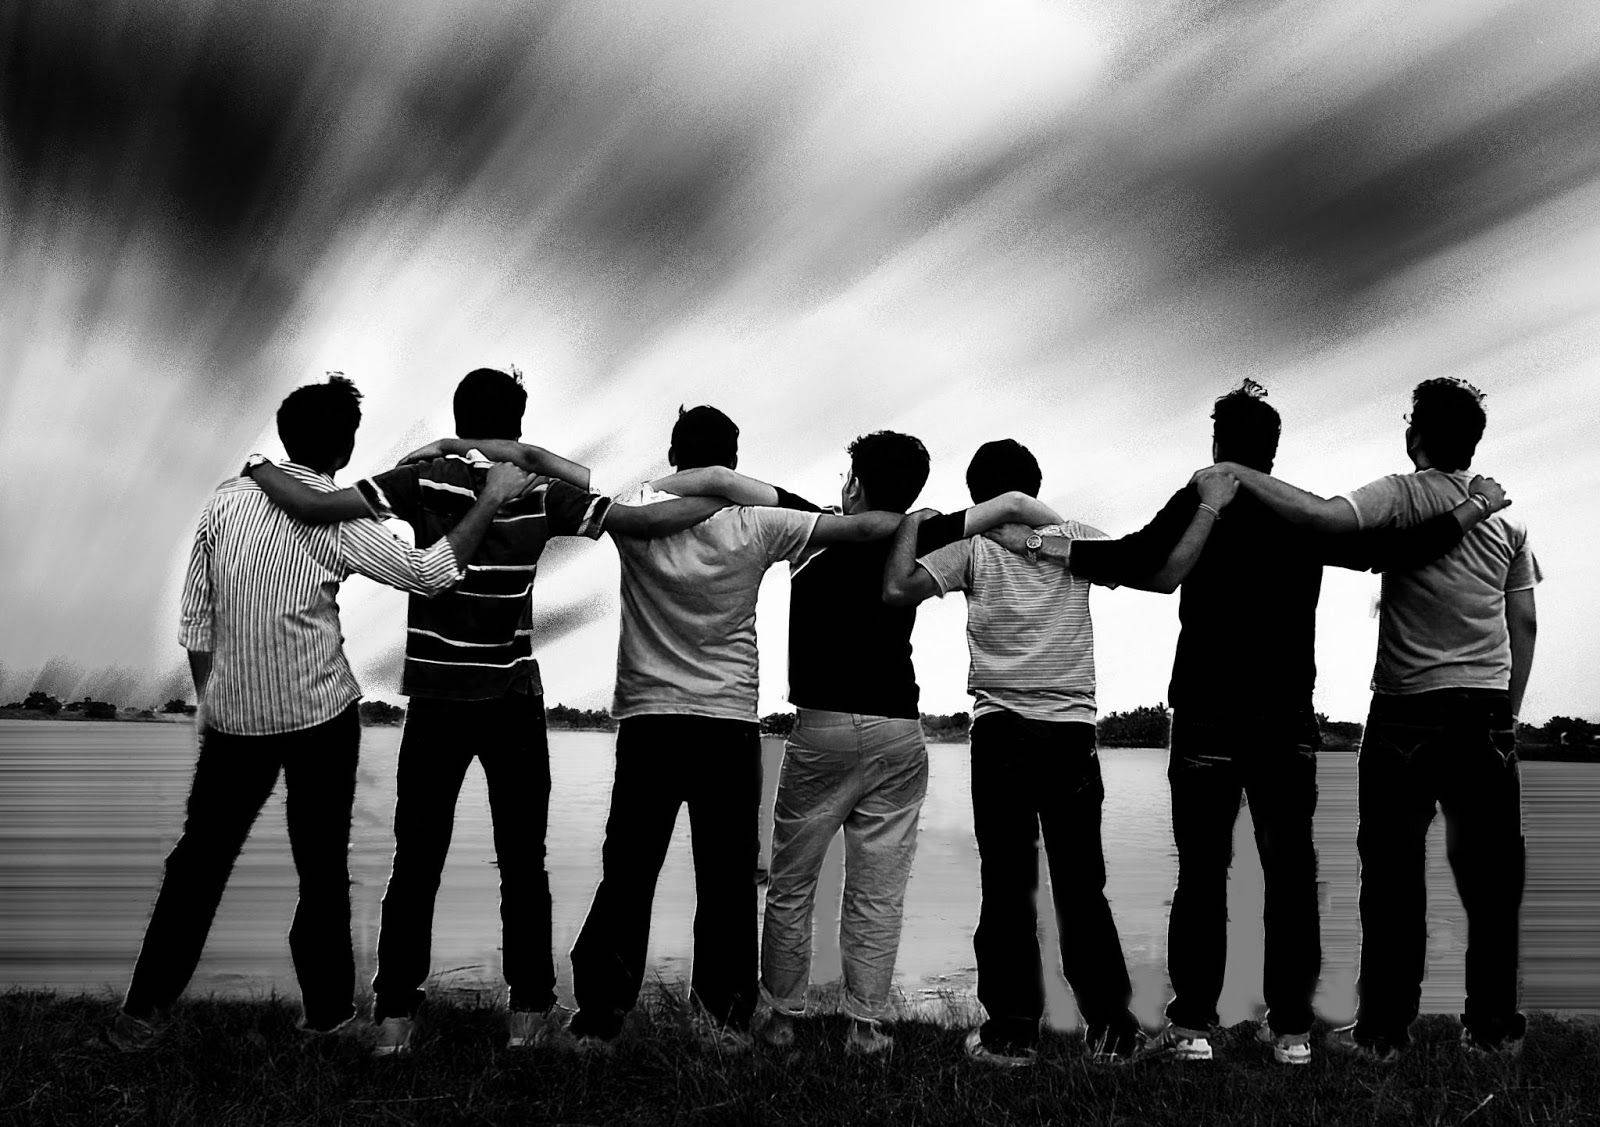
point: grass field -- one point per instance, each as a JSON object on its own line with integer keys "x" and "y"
{"x": 227, "y": 1062}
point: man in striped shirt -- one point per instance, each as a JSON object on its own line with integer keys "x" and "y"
{"x": 261, "y": 624}
{"x": 475, "y": 689}
{"x": 1034, "y": 768}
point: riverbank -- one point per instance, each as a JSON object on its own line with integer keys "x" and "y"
{"x": 238, "y": 1062}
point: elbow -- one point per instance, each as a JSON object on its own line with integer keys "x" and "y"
{"x": 895, "y": 595}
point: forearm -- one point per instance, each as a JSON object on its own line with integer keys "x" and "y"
{"x": 1522, "y": 626}
{"x": 1295, "y": 505}
{"x": 1187, "y": 552}
{"x": 1009, "y": 508}
{"x": 469, "y": 531}
{"x": 1403, "y": 549}
{"x": 200, "y": 670}
{"x": 526, "y": 457}
{"x": 717, "y": 481}
{"x": 302, "y": 502}
{"x": 662, "y": 518}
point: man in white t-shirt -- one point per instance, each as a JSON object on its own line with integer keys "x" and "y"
{"x": 1455, "y": 646}
{"x": 686, "y": 695}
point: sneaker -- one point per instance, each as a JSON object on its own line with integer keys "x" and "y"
{"x": 1507, "y": 1046}
{"x": 778, "y": 1032}
{"x": 1344, "y": 1040}
{"x": 527, "y": 1029}
{"x": 394, "y": 1037}
{"x": 1178, "y": 1042}
{"x": 1287, "y": 1048}
{"x": 129, "y": 1034}
{"x": 1115, "y": 1048}
{"x": 866, "y": 1039}
{"x": 978, "y": 1051}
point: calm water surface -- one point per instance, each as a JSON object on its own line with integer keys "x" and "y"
{"x": 88, "y": 811}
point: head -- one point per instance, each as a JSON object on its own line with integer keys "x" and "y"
{"x": 1245, "y": 428}
{"x": 489, "y": 404}
{"x": 703, "y": 436}
{"x": 317, "y": 423}
{"x": 887, "y": 471}
{"x": 1446, "y": 421}
{"x": 1001, "y": 466}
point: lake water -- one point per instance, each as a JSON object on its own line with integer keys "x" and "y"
{"x": 88, "y": 811}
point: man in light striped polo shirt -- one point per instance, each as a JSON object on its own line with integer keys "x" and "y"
{"x": 261, "y": 625}
{"x": 1034, "y": 770}
{"x": 475, "y": 689}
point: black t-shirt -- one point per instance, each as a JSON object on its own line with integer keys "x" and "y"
{"x": 849, "y": 651}
{"x": 1249, "y": 608}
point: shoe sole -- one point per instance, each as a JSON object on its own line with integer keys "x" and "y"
{"x": 1290, "y": 1058}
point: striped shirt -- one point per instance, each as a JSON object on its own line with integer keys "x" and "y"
{"x": 475, "y": 642}
{"x": 1029, "y": 632}
{"x": 260, "y": 595}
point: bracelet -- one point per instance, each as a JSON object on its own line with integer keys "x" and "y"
{"x": 1479, "y": 500}
{"x": 1213, "y": 511}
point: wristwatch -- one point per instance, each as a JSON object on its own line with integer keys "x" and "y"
{"x": 1032, "y": 544}
{"x": 252, "y": 462}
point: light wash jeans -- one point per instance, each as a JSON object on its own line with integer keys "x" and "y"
{"x": 867, "y": 775}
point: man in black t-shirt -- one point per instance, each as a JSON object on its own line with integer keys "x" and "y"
{"x": 856, "y": 760}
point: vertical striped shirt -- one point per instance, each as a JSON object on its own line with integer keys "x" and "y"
{"x": 261, "y": 594}
{"x": 1029, "y": 632}
{"x": 475, "y": 642}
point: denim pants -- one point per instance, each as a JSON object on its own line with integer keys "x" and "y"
{"x": 1216, "y": 760}
{"x": 1453, "y": 749}
{"x": 663, "y": 762}
{"x": 866, "y": 775}
{"x": 1033, "y": 777}
{"x": 507, "y": 736}
{"x": 232, "y": 780}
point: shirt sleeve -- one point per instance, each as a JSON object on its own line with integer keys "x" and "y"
{"x": 950, "y": 566}
{"x": 783, "y": 533}
{"x": 393, "y": 493}
{"x": 368, "y": 548}
{"x": 1525, "y": 572}
{"x": 935, "y": 532}
{"x": 1140, "y": 554}
{"x": 787, "y": 500}
{"x": 1377, "y": 503}
{"x": 195, "y": 610}
{"x": 571, "y": 511}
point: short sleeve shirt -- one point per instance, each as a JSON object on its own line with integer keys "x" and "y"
{"x": 1029, "y": 633}
{"x": 1443, "y": 626}
{"x": 688, "y": 642}
{"x": 475, "y": 641}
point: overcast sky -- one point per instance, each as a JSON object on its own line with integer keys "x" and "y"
{"x": 1071, "y": 224}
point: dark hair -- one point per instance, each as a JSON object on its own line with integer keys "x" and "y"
{"x": 1001, "y": 466}
{"x": 703, "y": 436}
{"x": 891, "y": 467}
{"x": 317, "y": 423}
{"x": 1246, "y": 427}
{"x": 489, "y": 404}
{"x": 1448, "y": 418}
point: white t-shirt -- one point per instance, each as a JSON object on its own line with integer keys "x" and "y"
{"x": 688, "y": 642}
{"x": 1443, "y": 626}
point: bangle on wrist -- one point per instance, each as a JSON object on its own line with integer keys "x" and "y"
{"x": 1479, "y": 500}
{"x": 1212, "y": 509}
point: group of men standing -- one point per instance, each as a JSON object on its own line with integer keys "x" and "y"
{"x": 261, "y": 625}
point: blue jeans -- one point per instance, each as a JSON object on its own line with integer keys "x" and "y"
{"x": 866, "y": 775}
{"x": 1455, "y": 749}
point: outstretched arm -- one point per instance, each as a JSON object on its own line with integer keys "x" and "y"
{"x": 1014, "y": 507}
{"x": 1522, "y": 625}
{"x": 304, "y": 503}
{"x": 530, "y": 459}
{"x": 717, "y": 481}
{"x": 834, "y": 529}
{"x": 905, "y": 584}
{"x": 661, "y": 518}
{"x": 1321, "y": 514}
{"x": 1402, "y": 549}
{"x": 1216, "y": 487}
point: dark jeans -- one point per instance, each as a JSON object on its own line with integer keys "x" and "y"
{"x": 664, "y": 762}
{"x": 1030, "y": 776}
{"x": 1216, "y": 760}
{"x": 507, "y": 735}
{"x": 232, "y": 779}
{"x": 1454, "y": 749}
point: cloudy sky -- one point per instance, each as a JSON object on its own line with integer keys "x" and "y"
{"x": 1070, "y": 223}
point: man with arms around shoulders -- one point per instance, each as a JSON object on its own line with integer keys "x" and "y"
{"x": 856, "y": 760}
{"x": 1244, "y": 723}
{"x": 1455, "y": 647}
{"x": 475, "y": 691}
{"x": 261, "y": 624}
{"x": 1034, "y": 765}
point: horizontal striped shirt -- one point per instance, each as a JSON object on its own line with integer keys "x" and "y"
{"x": 261, "y": 595}
{"x": 1029, "y": 633}
{"x": 475, "y": 642}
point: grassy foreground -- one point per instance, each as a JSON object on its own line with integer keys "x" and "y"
{"x": 241, "y": 1062}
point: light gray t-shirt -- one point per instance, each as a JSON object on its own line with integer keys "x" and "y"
{"x": 1443, "y": 626}
{"x": 688, "y": 643}
{"x": 1029, "y": 633}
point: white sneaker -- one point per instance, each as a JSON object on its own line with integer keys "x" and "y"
{"x": 394, "y": 1037}
{"x": 1177, "y": 1042}
{"x": 1287, "y": 1048}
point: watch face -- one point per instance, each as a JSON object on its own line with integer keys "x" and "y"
{"x": 1035, "y": 542}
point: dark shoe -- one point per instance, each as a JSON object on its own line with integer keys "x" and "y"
{"x": 129, "y": 1034}
{"x": 1344, "y": 1040}
{"x": 394, "y": 1037}
{"x": 998, "y": 1058}
{"x": 1509, "y": 1045}
{"x": 1113, "y": 1046}
{"x": 778, "y": 1030}
{"x": 594, "y": 1036}
{"x": 526, "y": 1029}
